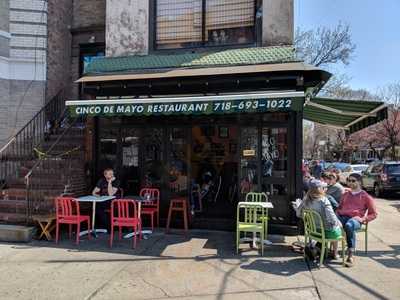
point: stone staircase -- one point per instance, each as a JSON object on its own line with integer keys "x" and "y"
{"x": 62, "y": 171}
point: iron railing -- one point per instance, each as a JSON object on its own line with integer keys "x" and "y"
{"x": 59, "y": 170}
{"x": 21, "y": 147}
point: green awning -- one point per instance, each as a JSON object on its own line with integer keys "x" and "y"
{"x": 351, "y": 115}
{"x": 225, "y": 58}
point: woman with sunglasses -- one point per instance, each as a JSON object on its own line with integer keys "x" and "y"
{"x": 356, "y": 207}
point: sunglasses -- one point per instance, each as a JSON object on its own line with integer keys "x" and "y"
{"x": 351, "y": 180}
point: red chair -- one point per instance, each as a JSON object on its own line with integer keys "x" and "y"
{"x": 151, "y": 207}
{"x": 67, "y": 212}
{"x": 124, "y": 214}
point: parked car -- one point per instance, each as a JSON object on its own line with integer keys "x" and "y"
{"x": 382, "y": 177}
{"x": 336, "y": 167}
{"x": 351, "y": 169}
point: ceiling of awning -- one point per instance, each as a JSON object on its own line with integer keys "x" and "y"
{"x": 351, "y": 115}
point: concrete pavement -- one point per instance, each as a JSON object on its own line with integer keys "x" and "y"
{"x": 200, "y": 266}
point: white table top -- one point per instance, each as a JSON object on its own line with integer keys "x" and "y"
{"x": 91, "y": 198}
{"x": 262, "y": 204}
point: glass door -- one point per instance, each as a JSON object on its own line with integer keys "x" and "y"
{"x": 152, "y": 158}
{"x": 130, "y": 175}
{"x": 248, "y": 161}
{"x": 108, "y": 147}
{"x": 178, "y": 147}
{"x": 274, "y": 169}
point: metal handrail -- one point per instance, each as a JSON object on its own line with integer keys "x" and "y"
{"x": 19, "y": 148}
{"x": 51, "y": 102}
{"x": 39, "y": 161}
{"x": 45, "y": 165}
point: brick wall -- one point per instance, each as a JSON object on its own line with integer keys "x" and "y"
{"x": 59, "y": 43}
{"x": 89, "y": 13}
{"x": 88, "y": 22}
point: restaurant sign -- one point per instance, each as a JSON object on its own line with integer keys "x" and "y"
{"x": 183, "y": 107}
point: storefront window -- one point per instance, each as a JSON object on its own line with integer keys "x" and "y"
{"x": 130, "y": 160}
{"x": 248, "y": 160}
{"x": 108, "y": 141}
{"x": 178, "y": 161}
{"x": 274, "y": 153}
{"x": 153, "y": 163}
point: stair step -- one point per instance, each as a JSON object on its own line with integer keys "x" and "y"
{"x": 15, "y": 193}
{"x": 15, "y": 233}
{"x": 47, "y": 183}
{"x": 17, "y": 218}
{"x": 13, "y": 206}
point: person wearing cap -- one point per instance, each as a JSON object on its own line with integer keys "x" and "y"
{"x": 334, "y": 190}
{"x": 316, "y": 200}
{"x": 356, "y": 207}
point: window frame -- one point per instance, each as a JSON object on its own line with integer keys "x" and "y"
{"x": 153, "y": 32}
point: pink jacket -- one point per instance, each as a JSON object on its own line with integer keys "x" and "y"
{"x": 361, "y": 205}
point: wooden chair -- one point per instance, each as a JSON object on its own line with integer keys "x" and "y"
{"x": 178, "y": 205}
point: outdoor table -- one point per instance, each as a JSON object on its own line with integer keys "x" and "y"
{"x": 266, "y": 206}
{"x": 94, "y": 200}
{"x": 139, "y": 200}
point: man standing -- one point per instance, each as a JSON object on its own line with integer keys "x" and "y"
{"x": 356, "y": 207}
{"x": 108, "y": 185}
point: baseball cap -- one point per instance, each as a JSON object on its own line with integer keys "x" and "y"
{"x": 315, "y": 183}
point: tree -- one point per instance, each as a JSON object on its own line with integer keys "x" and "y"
{"x": 323, "y": 46}
{"x": 389, "y": 129}
{"x": 386, "y": 134}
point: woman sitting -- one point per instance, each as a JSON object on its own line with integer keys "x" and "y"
{"x": 356, "y": 208}
{"x": 316, "y": 200}
{"x": 335, "y": 190}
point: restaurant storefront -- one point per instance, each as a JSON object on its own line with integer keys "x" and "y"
{"x": 233, "y": 128}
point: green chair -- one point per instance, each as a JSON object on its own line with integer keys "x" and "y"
{"x": 250, "y": 218}
{"x": 256, "y": 197}
{"x": 364, "y": 228}
{"x": 314, "y": 230}
{"x": 259, "y": 197}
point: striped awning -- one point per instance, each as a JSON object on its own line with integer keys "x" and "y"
{"x": 351, "y": 115}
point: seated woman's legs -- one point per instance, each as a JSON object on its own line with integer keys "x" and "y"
{"x": 350, "y": 226}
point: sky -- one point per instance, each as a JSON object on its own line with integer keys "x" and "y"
{"x": 375, "y": 30}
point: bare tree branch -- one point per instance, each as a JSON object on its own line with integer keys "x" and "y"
{"x": 325, "y": 46}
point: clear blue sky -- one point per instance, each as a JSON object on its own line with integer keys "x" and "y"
{"x": 375, "y": 29}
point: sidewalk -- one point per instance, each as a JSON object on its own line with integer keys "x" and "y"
{"x": 376, "y": 274}
{"x": 201, "y": 266}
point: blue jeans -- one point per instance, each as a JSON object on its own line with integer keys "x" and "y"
{"x": 350, "y": 226}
